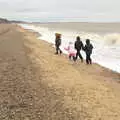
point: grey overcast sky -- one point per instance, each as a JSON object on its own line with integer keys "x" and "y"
{"x": 61, "y": 10}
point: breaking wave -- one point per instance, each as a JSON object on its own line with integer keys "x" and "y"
{"x": 112, "y": 39}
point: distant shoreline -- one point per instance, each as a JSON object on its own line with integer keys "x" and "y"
{"x": 76, "y": 22}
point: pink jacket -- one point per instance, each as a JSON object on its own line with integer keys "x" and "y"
{"x": 71, "y": 50}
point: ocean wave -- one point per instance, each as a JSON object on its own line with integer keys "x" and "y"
{"x": 112, "y": 39}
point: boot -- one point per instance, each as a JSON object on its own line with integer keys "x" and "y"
{"x": 60, "y": 52}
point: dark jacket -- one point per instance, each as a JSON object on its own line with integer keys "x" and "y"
{"x": 88, "y": 48}
{"x": 57, "y": 42}
{"x": 78, "y": 45}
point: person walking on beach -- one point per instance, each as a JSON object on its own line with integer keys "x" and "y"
{"x": 71, "y": 51}
{"x": 88, "y": 50}
{"x": 58, "y": 43}
{"x": 78, "y": 47}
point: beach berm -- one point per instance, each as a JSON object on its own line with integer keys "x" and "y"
{"x": 35, "y": 84}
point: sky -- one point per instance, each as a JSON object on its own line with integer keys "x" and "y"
{"x": 61, "y": 10}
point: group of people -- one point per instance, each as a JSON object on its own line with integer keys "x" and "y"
{"x": 75, "y": 52}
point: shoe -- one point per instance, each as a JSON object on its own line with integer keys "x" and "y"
{"x": 60, "y": 52}
{"x": 74, "y": 58}
{"x": 56, "y": 53}
{"x": 82, "y": 61}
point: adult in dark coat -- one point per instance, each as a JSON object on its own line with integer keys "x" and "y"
{"x": 78, "y": 47}
{"x": 88, "y": 50}
{"x": 57, "y": 44}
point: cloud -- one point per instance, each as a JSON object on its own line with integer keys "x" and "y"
{"x": 96, "y": 10}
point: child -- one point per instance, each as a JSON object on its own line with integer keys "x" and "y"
{"x": 58, "y": 43}
{"x": 88, "y": 50}
{"x": 71, "y": 51}
{"x": 78, "y": 46}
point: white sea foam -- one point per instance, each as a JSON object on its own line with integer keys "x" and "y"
{"x": 106, "y": 46}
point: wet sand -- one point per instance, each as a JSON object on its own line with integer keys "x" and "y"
{"x": 35, "y": 84}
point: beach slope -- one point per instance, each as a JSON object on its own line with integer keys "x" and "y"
{"x": 35, "y": 84}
